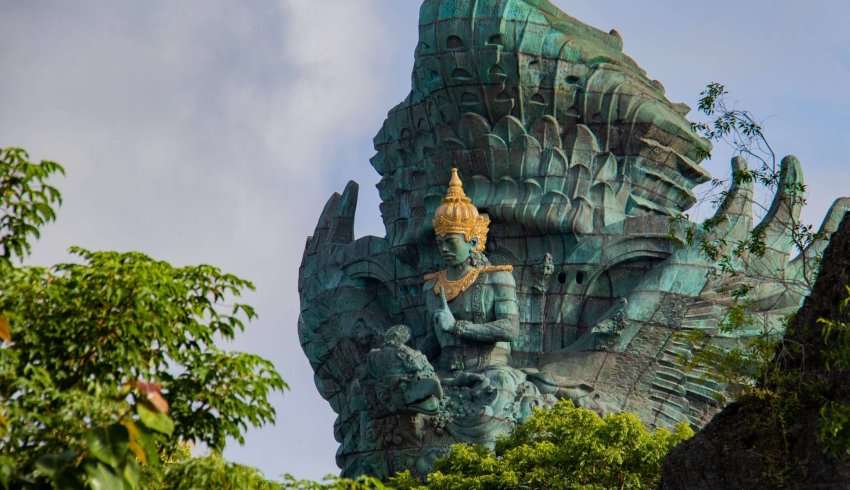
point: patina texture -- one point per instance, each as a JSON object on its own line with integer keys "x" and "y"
{"x": 580, "y": 161}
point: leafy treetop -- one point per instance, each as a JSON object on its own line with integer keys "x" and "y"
{"x": 110, "y": 367}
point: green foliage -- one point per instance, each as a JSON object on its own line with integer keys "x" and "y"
{"x": 91, "y": 351}
{"x": 834, "y": 430}
{"x": 836, "y": 336}
{"x": 740, "y": 130}
{"x": 331, "y": 482}
{"x": 564, "y": 447}
{"x": 210, "y": 472}
{"x": 82, "y": 330}
{"x": 26, "y": 201}
{"x": 746, "y": 366}
{"x": 87, "y": 436}
{"x": 118, "y": 317}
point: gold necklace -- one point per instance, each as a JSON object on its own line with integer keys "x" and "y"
{"x": 453, "y": 289}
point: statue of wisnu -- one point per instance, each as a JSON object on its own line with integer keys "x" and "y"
{"x": 473, "y": 309}
{"x": 465, "y": 389}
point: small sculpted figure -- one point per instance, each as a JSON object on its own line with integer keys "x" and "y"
{"x": 399, "y": 388}
{"x": 400, "y": 379}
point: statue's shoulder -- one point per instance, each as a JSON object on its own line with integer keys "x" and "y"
{"x": 429, "y": 280}
{"x": 499, "y": 274}
{"x": 431, "y": 276}
{"x": 498, "y": 268}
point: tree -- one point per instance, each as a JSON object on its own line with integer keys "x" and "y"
{"x": 26, "y": 201}
{"x": 211, "y": 471}
{"x": 740, "y": 130}
{"x": 564, "y": 447}
{"x": 746, "y": 365}
{"x": 112, "y": 362}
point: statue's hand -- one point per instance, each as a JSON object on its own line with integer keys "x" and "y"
{"x": 443, "y": 317}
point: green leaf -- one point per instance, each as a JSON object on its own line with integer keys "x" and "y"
{"x": 50, "y": 465}
{"x": 131, "y": 473}
{"x": 85, "y": 328}
{"x": 101, "y": 477}
{"x": 146, "y": 441}
{"x": 154, "y": 420}
{"x": 109, "y": 445}
{"x": 7, "y": 469}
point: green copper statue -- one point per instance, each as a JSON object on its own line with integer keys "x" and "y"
{"x": 533, "y": 138}
{"x": 483, "y": 297}
{"x": 473, "y": 308}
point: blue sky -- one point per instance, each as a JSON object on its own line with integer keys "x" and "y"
{"x": 213, "y": 131}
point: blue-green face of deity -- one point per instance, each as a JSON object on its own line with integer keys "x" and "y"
{"x": 454, "y": 249}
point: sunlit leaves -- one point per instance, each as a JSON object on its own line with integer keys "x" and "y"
{"x": 332, "y": 482}
{"x": 559, "y": 448}
{"x": 213, "y": 472}
{"x": 116, "y": 317}
{"x": 115, "y": 328}
{"x": 154, "y": 420}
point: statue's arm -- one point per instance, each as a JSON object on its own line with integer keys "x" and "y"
{"x": 505, "y": 327}
{"x": 428, "y": 343}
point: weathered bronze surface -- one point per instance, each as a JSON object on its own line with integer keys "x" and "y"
{"x": 579, "y": 160}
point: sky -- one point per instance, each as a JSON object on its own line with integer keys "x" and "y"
{"x": 211, "y": 131}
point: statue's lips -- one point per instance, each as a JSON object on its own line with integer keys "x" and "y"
{"x": 424, "y": 396}
{"x": 428, "y": 406}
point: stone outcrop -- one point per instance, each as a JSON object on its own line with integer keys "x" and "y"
{"x": 772, "y": 441}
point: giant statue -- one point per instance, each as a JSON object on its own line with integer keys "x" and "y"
{"x": 528, "y": 185}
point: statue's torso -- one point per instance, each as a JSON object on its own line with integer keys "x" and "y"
{"x": 477, "y": 304}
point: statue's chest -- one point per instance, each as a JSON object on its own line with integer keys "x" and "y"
{"x": 475, "y": 304}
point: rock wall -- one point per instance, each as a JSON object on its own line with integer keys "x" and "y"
{"x": 773, "y": 442}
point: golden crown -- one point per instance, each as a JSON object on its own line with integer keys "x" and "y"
{"x": 457, "y": 214}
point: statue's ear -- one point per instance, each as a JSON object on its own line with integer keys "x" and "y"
{"x": 474, "y": 242}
